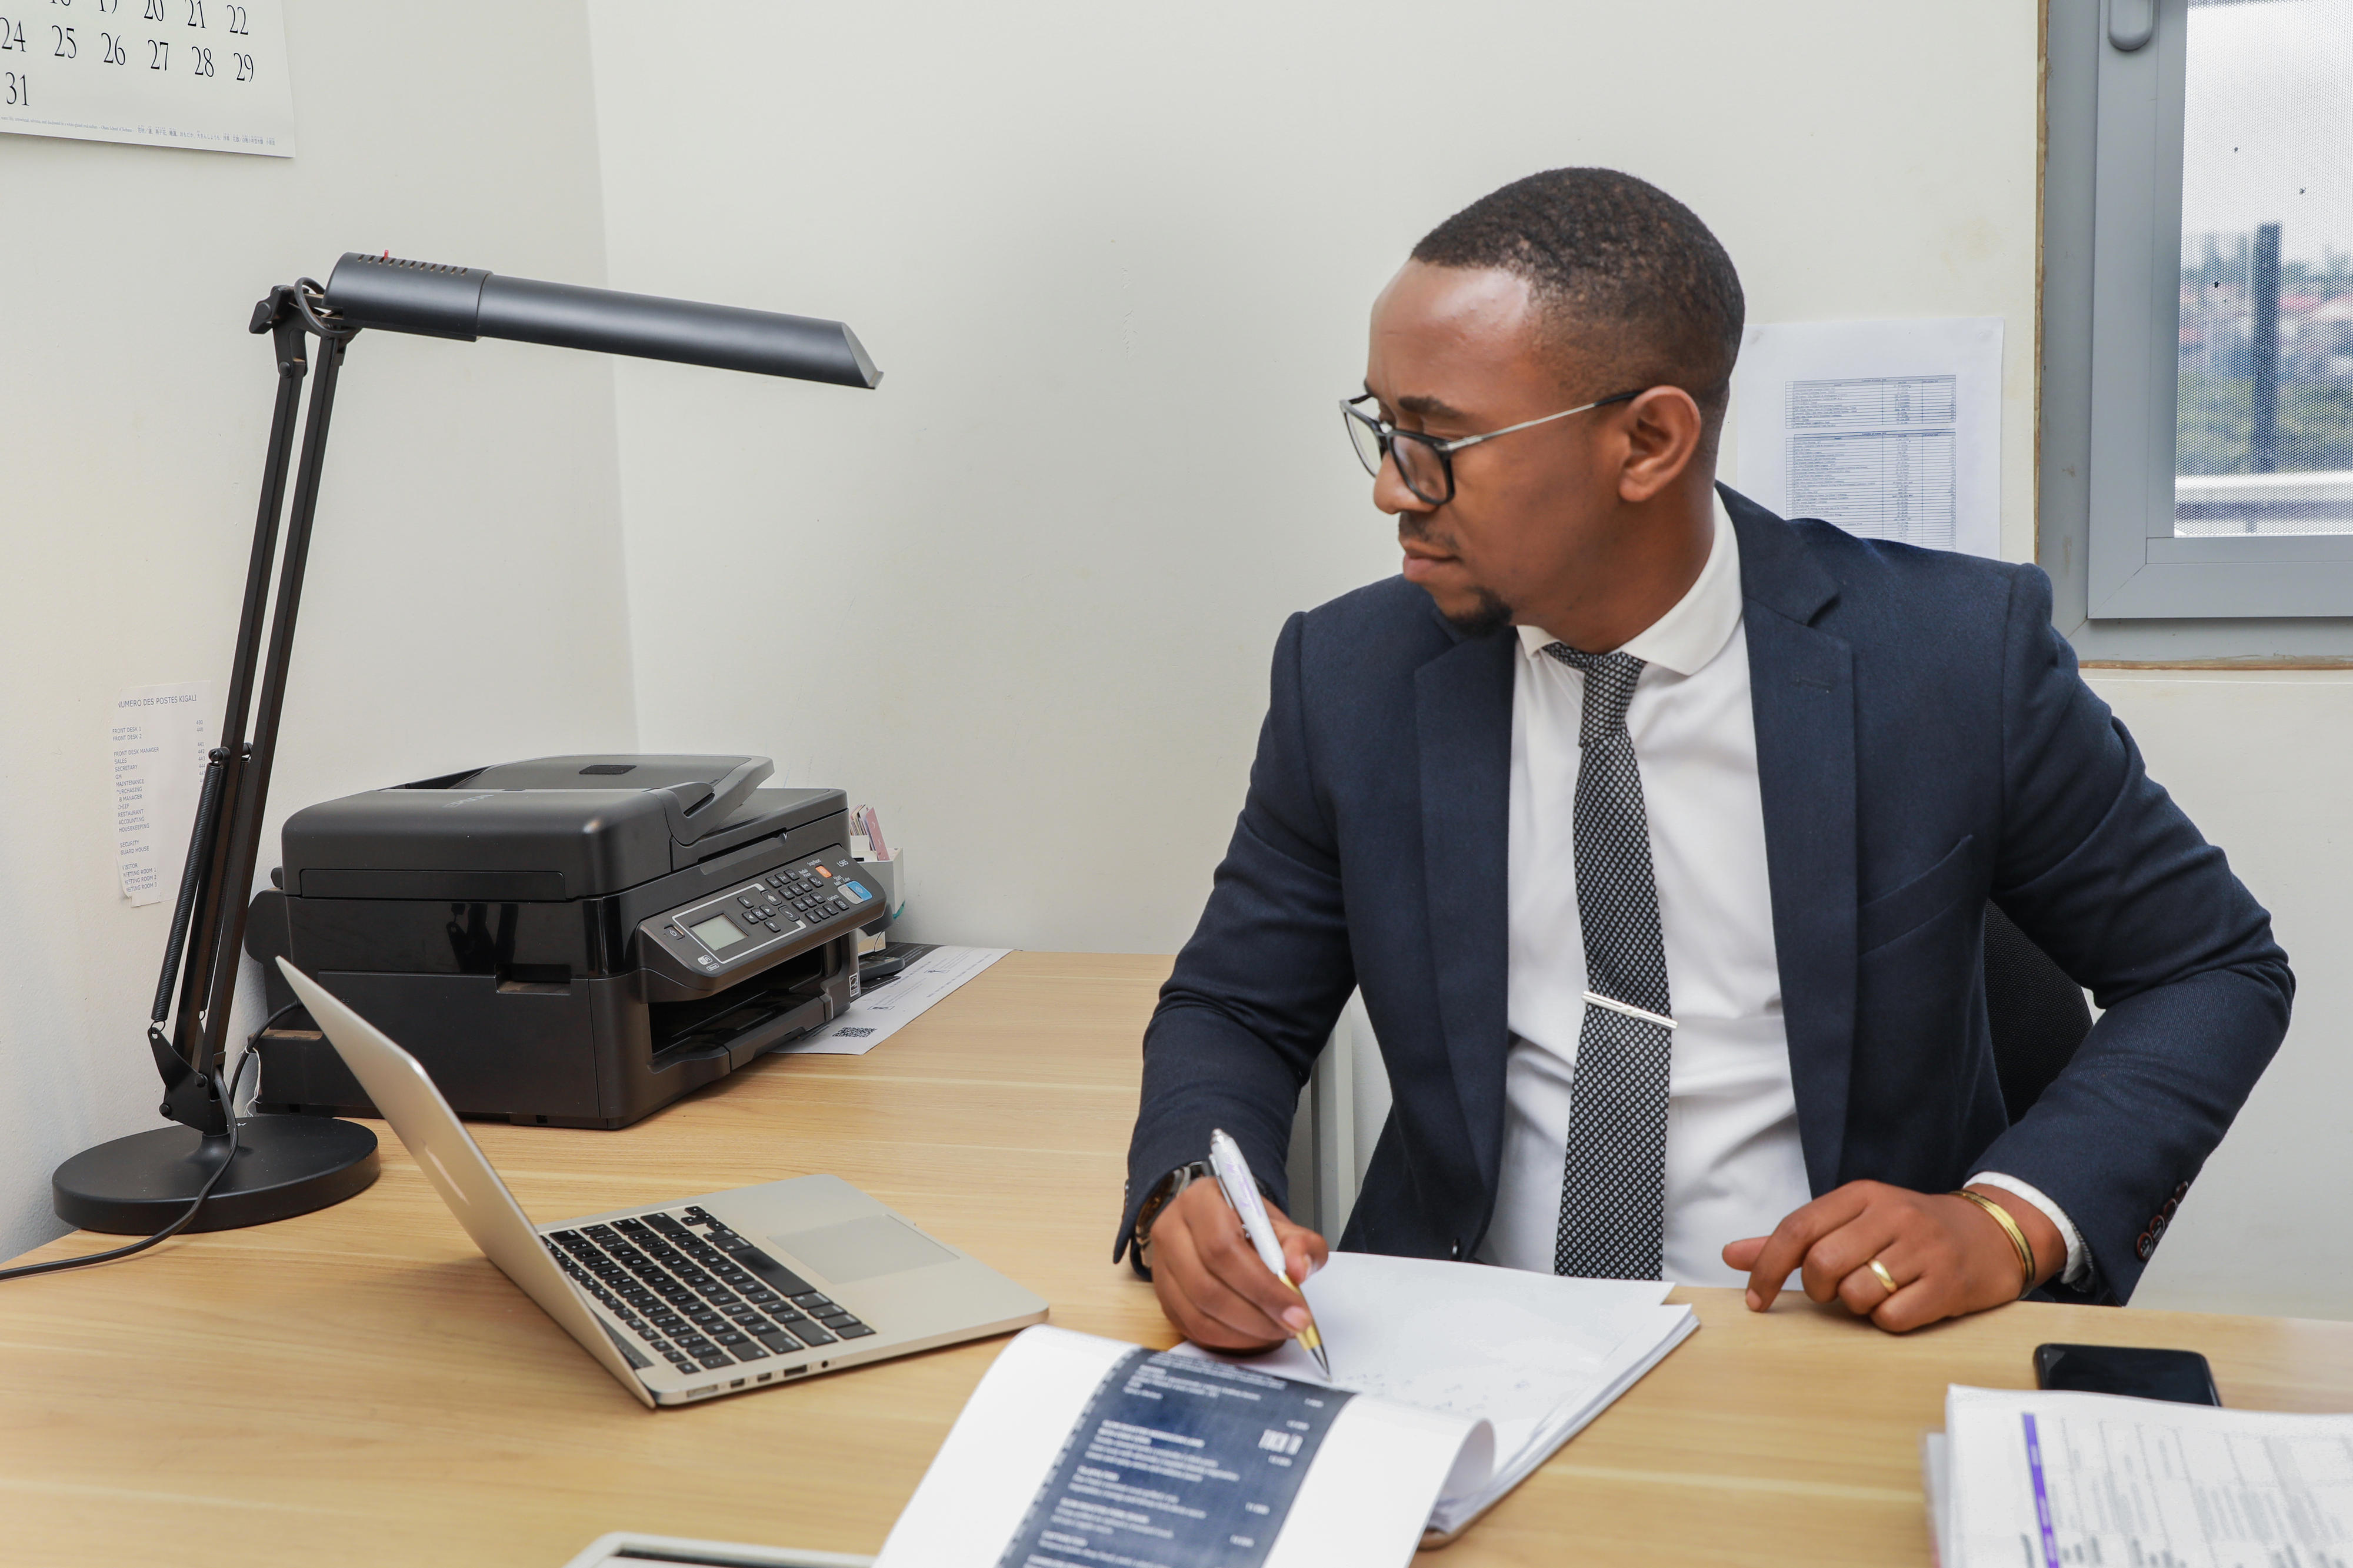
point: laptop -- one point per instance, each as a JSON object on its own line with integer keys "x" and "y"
{"x": 710, "y": 1295}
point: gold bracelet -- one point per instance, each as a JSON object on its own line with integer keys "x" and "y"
{"x": 2010, "y": 1228}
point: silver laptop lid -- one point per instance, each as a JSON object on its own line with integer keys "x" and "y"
{"x": 398, "y": 1085}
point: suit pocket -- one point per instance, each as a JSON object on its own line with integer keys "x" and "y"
{"x": 1906, "y": 909}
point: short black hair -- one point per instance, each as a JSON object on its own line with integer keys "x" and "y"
{"x": 1620, "y": 269}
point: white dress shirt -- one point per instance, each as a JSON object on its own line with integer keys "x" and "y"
{"x": 1734, "y": 1163}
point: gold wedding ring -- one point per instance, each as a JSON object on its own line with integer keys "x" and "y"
{"x": 1879, "y": 1272}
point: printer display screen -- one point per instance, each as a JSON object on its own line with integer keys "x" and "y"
{"x": 716, "y": 933}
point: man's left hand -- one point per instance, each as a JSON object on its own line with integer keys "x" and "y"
{"x": 1946, "y": 1255}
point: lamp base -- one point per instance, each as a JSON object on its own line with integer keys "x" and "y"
{"x": 285, "y": 1165}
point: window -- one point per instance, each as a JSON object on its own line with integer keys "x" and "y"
{"x": 2211, "y": 217}
{"x": 2263, "y": 401}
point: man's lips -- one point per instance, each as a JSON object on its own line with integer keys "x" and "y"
{"x": 1421, "y": 560}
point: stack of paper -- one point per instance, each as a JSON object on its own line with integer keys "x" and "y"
{"x": 2041, "y": 1479}
{"x": 881, "y": 1013}
{"x": 1534, "y": 1356}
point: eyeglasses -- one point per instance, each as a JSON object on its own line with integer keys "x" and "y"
{"x": 1425, "y": 463}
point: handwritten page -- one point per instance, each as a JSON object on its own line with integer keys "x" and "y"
{"x": 202, "y": 74}
{"x": 1889, "y": 429}
{"x": 157, "y": 737}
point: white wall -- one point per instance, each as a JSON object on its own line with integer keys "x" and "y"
{"x": 1116, "y": 263}
{"x": 2259, "y": 762}
{"x": 466, "y": 602}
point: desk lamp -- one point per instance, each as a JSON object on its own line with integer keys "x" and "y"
{"x": 216, "y": 1169}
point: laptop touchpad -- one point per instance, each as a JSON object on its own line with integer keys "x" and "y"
{"x": 863, "y": 1249}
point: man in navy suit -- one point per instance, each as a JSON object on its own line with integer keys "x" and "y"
{"x": 1659, "y": 831}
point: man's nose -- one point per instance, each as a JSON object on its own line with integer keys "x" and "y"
{"x": 1389, "y": 492}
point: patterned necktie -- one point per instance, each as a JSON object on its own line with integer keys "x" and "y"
{"x": 1613, "y": 1184}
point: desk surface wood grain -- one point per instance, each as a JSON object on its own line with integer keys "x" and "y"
{"x": 360, "y": 1385}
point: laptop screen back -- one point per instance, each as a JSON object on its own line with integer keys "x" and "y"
{"x": 405, "y": 1097}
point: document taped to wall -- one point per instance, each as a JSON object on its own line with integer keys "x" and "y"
{"x": 201, "y": 74}
{"x": 156, "y": 740}
{"x": 1890, "y": 429}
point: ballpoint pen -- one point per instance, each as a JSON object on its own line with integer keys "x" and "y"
{"x": 1234, "y": 1179}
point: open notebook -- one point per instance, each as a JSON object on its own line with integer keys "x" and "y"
{"x": 1535, "y": 1356}
{"x": 1451, "y": 1383}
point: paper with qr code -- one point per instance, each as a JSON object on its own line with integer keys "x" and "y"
{"x": 887, "y": 1008}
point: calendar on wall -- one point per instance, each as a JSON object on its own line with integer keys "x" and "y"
{"x": 162, "y": 73}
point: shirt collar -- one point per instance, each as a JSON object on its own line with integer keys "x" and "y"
{"x": 1689, "y": 636}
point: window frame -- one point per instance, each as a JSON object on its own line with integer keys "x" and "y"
{"x": 2129, "y": 590}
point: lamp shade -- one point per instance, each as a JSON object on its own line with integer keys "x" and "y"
{"x": 468, "y": 302}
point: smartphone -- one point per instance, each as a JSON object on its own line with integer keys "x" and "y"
{"x": 2181, "y": 1376}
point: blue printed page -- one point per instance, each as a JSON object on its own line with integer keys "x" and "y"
{"x": 1077, "y": 1451}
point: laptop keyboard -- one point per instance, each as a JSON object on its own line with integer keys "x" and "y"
{"x": 696, "y": 1293}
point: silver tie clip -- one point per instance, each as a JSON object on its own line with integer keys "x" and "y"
{"x": 1630, "y": 1011}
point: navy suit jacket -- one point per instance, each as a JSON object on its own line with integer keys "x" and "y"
{"x": 1924, "y": 745}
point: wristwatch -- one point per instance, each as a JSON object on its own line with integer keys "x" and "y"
{"x": 1164, "y": 1191}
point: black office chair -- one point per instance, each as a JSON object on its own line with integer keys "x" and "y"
{"x": 2038, "y": 1016}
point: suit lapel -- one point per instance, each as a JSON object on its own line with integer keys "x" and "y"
{"x": 1801, "y": 688}
{"x": 1464, "y": 721}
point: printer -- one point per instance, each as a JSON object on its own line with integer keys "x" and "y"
{"x": 570, "y": 942}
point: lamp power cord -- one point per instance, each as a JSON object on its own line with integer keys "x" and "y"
{"x": 228, "y": 1093}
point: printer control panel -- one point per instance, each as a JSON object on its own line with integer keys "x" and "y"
{"x": 728, "y": 929}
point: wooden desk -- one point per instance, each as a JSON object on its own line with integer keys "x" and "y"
{"x": 359, "y": 1385}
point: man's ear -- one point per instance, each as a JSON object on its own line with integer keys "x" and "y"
{"x": 1662, "y": 430}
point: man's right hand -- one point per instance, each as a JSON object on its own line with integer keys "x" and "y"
{"x": 1210, "y": 1281}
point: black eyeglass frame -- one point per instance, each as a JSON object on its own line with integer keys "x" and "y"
{"x": 1384, "y": 435}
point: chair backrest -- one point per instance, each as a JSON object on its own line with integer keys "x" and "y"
{"x": 2038, "y": 1015}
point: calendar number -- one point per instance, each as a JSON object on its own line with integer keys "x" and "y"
{"x": 93, "y": 86}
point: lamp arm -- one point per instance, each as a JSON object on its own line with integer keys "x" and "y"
{"x": 208, "y": 919}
